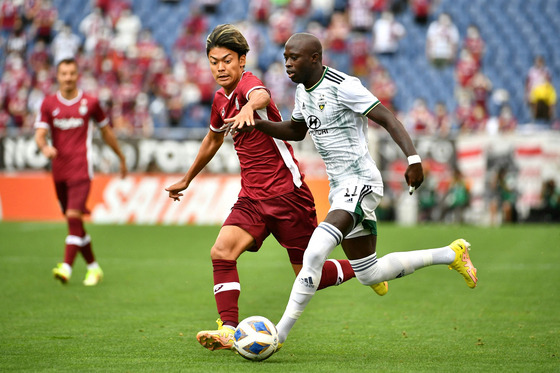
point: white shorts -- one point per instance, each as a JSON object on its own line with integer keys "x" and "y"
{"x": 360, "y": 200}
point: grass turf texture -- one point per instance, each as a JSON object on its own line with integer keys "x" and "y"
{"x": 157, "y": 294}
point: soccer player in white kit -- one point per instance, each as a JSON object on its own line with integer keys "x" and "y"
{"x": 334, "y": 108}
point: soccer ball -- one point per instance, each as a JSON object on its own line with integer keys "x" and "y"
{"x": 255, "y": 338}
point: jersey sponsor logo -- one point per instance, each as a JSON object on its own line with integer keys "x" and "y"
{"x": 218, "y": 288}
{"x": 322, "y": 102}
{"x": 68, "y": 123}
{"x": 313, "y": 122}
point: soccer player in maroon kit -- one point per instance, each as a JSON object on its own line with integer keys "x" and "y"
{"x": 273, "y": 199}
{"x": 66, "y": 115}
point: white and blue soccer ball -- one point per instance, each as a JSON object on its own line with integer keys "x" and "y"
{"x": 255, "y": 338}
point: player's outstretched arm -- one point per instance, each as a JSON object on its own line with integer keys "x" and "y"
{"x": 110, "y": 139}
{"x": 414, "y": 174}
{"x": 258, "y": 99}
{"x": 208, "y": 149}
{"x": 286, "y": 130}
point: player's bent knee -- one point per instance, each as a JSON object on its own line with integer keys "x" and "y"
{"x": 369, "y": 276}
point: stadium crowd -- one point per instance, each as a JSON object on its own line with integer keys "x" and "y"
{"x": 144, "y": 86}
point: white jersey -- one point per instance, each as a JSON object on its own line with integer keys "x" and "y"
{"x": 335, "y": 112}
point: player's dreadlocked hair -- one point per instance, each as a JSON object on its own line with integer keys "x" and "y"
{"x": 227, "y": 36}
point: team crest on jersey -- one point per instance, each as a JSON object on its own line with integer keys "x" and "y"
{"x": 223, "y": 112}
{"x": 236, "y": 104}
{"x": 55, "y": 112}
{"x": 322, "y": 102}
{"x": 303, "y": 105}
{"x": 83, "y": 107}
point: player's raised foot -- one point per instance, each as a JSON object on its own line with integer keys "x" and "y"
{"x": 462, "y": 262}
{"x": 221, "y": 339}
{"x": 61, "y": 273}
{"x": 381, "y": 288}
{"x": 93, "y": 276}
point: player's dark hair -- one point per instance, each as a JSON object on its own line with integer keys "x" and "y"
{"x": 65, "y": 61}
{"x": 227, "y": 36}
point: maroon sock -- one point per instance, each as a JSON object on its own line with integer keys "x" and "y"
{"x": 76, "y": 228}
{"x": 70, "y": 252}
{"x": 87, "y": 253}
{"x": 226, "y": 290}
{"x": 330, "y": 275}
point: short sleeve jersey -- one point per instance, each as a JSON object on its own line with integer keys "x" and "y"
{"x": 335, "y": 112}
{"x": 70, "y": 125}
{"x": 268, "y": 165}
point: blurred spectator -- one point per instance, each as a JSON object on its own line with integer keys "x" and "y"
{"x": 480, "y": 87}
{"x": 65, "y": 44}
{"x": 16, "y": 41}
{"x": 505, "y": 122}
{"x": 360, "y": 15}
{"x": 282, "y": 24}
{"x": 298, "y": 8}
{"x": 421, "y": 9}
{"x": 427, "y": 197}
{"x": 476, "y": 121}
{"x": 443, "y": 120}
{"x": 442, "y": 40}
{"x": 386, "y": 34}
{"x": 336, "y": 46}
{"x": 384, "y": 88}
{"x": 465, "y": 70}
{"x": 550, "y": 201}
{"x": 503, "y": 197}
{"x": 456, "y": 200}
{"x": 474, "y": 44}
{"x": 127, "y": 29}
{"x": 94, "y": 27}
{"x": 44, "y": 21}
{"x": 420, "y": 121}
{"x": 260, "y": 10}
{"x": 542, "y": 100}
{"x": 30, "y": 10}
{"x": 361, "y": 61}
{"x": 537, "y": 75}
{"x": 321, "y": 11}
{"x": 8, "y": 16}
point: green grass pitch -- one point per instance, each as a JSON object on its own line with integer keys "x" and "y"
{"x": 157, "y": 294}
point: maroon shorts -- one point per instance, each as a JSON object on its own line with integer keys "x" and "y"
{"x": 72, "y": 195}
{"x": 290, "y": 218}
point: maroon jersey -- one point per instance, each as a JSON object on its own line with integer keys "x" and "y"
{"x": 268, "y": 166}
{"x": 71, "y": 133}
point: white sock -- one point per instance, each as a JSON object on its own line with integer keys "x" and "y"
{"x": 323, "y": 240}
{"x": 370, "y": 270}
{"x": 92, "y": 265}
{"x": 67, "y": 267}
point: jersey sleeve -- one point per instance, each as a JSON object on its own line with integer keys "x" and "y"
{"x": 99, "y": 115}
{"x": 216, "y": 121}
{"x": 249, "y": 84}
{"x": 43, "y": 116}
{"x": 356, "y": 97}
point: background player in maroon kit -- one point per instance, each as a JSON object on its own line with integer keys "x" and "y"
{"x": 67, "y": 114}
{"x": 273, "y": 199}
